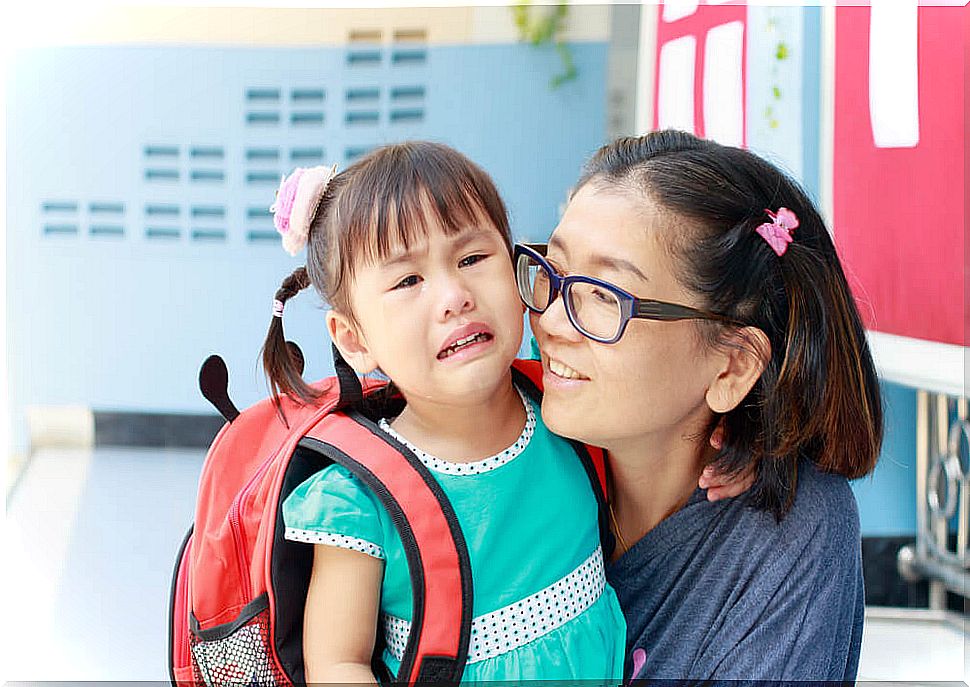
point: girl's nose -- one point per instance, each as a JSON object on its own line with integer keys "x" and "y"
{"x": 456, "y": 297}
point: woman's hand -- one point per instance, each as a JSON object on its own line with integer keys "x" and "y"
{"x": 721, "y": 486}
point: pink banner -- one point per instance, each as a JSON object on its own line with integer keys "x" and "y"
{"x": 900, "y": 179}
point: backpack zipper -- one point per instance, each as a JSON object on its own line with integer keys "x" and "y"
{"x": 235, "y": 524}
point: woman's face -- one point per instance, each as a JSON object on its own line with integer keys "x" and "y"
{"x": 653, "y": 380}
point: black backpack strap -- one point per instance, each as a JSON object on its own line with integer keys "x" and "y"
{"x": 437, "y": 556}
{"x": 351, "y": 391}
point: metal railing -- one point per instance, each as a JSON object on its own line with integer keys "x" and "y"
{"x": 942, "y": 493}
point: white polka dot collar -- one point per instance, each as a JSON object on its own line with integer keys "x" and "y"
{"x": 478, "y": 466}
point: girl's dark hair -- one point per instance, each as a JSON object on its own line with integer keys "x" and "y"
{"x": 393, "y": 194}
{"x": 818, "y": 396}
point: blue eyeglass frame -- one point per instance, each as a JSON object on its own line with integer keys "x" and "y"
{"x": 631, "y": 307}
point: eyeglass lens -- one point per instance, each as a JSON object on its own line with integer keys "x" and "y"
{"x": 594, "y": 310}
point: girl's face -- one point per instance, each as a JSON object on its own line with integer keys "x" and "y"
{"x": 442, "y": 318}
{"x": 654, "y": 379}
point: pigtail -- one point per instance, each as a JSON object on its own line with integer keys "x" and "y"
{"x": 819, "y": 396}
{"x": 791, "y": 391}
{"x": 282, "y": 367}
{"x": 830, "y": 366}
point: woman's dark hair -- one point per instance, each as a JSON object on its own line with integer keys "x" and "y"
{"x": 393, "y": 194}
{"x": 818, "y": 396}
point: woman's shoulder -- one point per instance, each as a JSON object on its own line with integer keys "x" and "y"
{"x": 822, "y": 522}
{"x": 823, "y": 496}
{"x": 824, "y": 514}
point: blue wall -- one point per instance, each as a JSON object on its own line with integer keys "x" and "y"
{"x": 887, "y": 498}
{"x": 139, "y": 178}
{"x": 121, "y": 321}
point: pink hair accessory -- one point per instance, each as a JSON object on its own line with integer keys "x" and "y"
{"x": 297, "y": 200}
{"x": 778, "y": 232}
{"x": 277, "y": 308}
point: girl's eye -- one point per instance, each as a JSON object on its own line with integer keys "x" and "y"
{"x": 472, "y": 259}
{"x": 407, "y": 282}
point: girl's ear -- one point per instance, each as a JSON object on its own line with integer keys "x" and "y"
{"x": 744, "y": 360}
{"x": 350, "y": 342}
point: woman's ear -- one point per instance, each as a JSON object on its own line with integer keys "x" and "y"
{"x": 350, "y": 342}
{"x": 744, "y": 359}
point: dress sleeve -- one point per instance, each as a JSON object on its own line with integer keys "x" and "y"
{"x": 534, "y": 353}
{"x": 335, "y": 508}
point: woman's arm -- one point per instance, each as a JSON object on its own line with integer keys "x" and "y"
{"x": 810, "y": 630}
{"x": 800, "y": 611}
{"x": 340, "y": 621}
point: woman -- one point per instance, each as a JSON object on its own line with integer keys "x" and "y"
{"x": 750, "y": 327}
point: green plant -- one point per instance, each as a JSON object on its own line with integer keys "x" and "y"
{"x": 545, "y": 26}
{"x": 780, "y": 55}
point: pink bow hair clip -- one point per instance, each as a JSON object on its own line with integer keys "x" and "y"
{"x": 778, "y": 232}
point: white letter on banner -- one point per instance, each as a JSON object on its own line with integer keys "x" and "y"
{"x": 678, "y": 9}
{"x": 894, "y": 73}
{"x": 723, "y": 87}
{"x": 675, "y": 91}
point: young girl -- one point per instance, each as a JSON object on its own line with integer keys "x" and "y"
{"x": 411, "y": 248}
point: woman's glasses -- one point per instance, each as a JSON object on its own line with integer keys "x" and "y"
{"x": 596, "y": 308}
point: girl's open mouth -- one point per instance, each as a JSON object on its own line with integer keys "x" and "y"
{"x": 464, "y": 343}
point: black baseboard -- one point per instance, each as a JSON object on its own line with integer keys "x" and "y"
{"x": 156, "y": 430}
{"x": 885, "y": 586}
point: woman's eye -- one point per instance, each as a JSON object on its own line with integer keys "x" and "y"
{"x": 407, "y": 282}
{"x": 471, "y": 260}
{"x": 602, "y": 296}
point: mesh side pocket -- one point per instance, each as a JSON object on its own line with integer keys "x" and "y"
{"x": 241, "y": 654}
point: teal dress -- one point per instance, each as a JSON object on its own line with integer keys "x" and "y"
{"x": 542, "y": 608}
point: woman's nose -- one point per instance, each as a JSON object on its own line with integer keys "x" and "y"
{"x": 555, "y": 322}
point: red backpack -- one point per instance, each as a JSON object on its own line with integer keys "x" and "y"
{"x": 239, "y": 586}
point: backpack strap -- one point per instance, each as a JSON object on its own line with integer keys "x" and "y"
{"x": 437, "y": 555}
{"x": 351, "y": 391}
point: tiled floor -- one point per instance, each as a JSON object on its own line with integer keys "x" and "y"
{"x": 914, "y": 646}
{"x": 90, "y": 543}
{"x": 91, "y": 539}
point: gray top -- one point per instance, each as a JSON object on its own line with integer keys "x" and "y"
{"x": 720, "y": 590}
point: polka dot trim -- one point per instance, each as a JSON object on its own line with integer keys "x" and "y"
{"x": 396, "y": 632}
{"x": 343, "y": 541}
{"x": 512, "y": 626}
{"x": 479, "y": 466}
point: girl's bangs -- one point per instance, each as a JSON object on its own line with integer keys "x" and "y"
{"x": 393, "y": 217}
